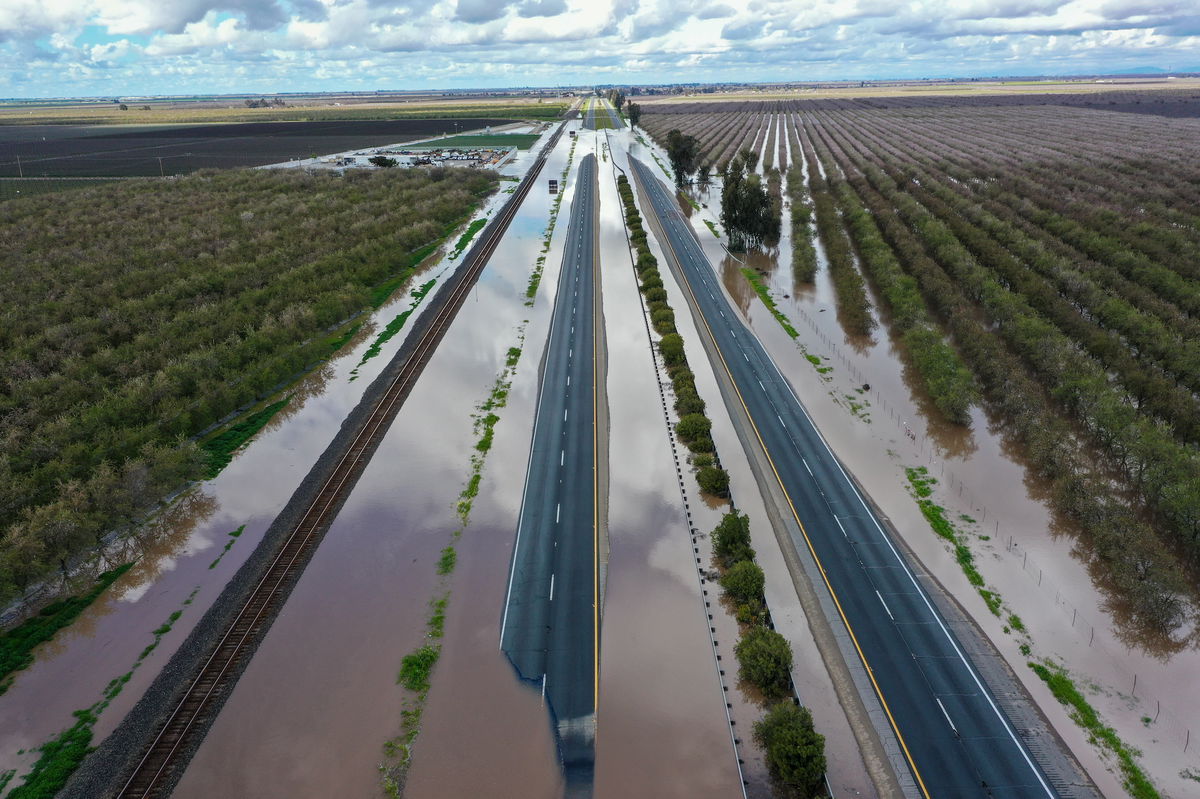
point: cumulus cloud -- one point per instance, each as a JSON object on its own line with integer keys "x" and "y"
{"x": 82, "y": 46}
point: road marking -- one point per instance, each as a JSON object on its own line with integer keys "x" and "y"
{"x": 810, "y": 474}
{"x": 843, "y": 529}
{"x": 780, "y": 418}
{"x": 564, "y": 414}
{"x": 764, "y": 388}
{"x": 947, "y": 715}
{"x": 812, "y": 550}
{"x": 551, "y": 587}
{"x": 747, "y": 357}
{"x": 890, "y": 616}
{"x": 557, "y": 511}
{"x": 562, "y": 456}
{"x": 568, "y": 380}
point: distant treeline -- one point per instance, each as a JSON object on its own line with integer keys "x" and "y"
{"x": 135, "y": 315}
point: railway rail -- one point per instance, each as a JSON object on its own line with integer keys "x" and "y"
{"x": 162, "y": 762}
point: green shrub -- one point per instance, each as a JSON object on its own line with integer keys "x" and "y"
{"x": 671, "y": 347}
{"x": 704, "y": 444}
{"x": 658, "y": 305}
{"x": 795, "y": 752}
{"x": 688, "y": 402}
{"x": 651, "y": 280}
{"x": 765, "y": 661}
{"x": 744, "y": 582}
{"x": 693, "y": 426}
{"x": 683, "y": 380}
{"x": 646, "y": 261}
{"x": 731, "y": 539}
{"x": 658, "y": 294}
{"x": 702, "y": 459}
{"x": 663, "y": 317}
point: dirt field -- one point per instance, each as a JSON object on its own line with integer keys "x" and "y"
{"x": 77, "y": 151}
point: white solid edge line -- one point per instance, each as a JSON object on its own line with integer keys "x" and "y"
{"x": 970, "y": 670}
{"x": 885, "y": 607}
{"x": 524, "y": 491}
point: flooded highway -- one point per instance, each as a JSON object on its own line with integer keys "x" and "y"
{"x": 1069, "y": 616}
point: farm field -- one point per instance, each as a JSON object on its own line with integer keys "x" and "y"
{"x": 97, "y": 151}
{"x": 174, "y": 113}
{"x": 522, "y": 141}
{"x": 1047, "y": 253}
{"x": 1082, "y": 91}
{"x": 224, "y": 285}
{"x": 1055, "y": 249}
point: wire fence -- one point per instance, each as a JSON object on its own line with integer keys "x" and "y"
{"x": 1168, "y": 728}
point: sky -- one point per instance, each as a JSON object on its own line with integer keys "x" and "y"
{"x": 74, "y": 48}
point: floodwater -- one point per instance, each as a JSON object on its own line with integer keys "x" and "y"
{"x": 176, "y": 552}
{"x": 361, "y": 604}
{"x": 845, "y": 769}
{"x": 661, "y": 725}
{"x": 1037, "y": 565}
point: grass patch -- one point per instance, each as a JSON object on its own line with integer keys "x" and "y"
{"x": 383, "y": 292}
{"x": 1082, "y": 713}
{"x": 466, "y": 237}
{"x": 522, "y": 141}
{"x": 394, "y": 326}
{"x": 713, "y": 228}
{"x": 447, "y": 560}
{"x": 16, "y": 645}
{"x": 922, "y": 487}
{"x": 342, "y": 339}
{"x": 62, "y": 754}
{"x": 233, "y": 537}
{"x": 416, "y": 667}
{"x": 760, "y": 288}
{"x": 220, "y": 448}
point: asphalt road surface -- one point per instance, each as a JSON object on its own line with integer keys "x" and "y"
{"x": 550, "y": 629}
{"x": 956, "y": 740}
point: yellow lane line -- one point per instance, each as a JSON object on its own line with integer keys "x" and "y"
{"x": 870, "y": 672}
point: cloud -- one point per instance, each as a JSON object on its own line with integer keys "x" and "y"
{"x": 158, "y": 46}
{"x": 745, "y": 29}
{"x": 542, "y": 8}
{"x": 479, "y": 10}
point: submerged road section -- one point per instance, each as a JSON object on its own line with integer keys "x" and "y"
{"x": 551, "y": 624}
{"x": 956, "y": 740}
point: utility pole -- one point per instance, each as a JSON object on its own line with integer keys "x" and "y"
{"x": 20, "y": 169}
{"x": 161, "y": 174}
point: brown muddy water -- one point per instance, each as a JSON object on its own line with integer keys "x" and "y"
{"x": 1037, "y": 566}
{"x": 660, "y": 726}
{"x": 312, "y": 712}
{"x": 176, "y": 553}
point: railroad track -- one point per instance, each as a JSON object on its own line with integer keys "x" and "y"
{"x": 161, "y": 764}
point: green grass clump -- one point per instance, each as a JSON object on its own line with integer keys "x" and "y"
{"x": 220, "y": 448}
{"x": 16, "y": 645}
{"x": 447, "y": 560}
{"x": 935, "y": 514}
{"x": 1082, "y": 713}
{"x": 760, "y": 288}
{"x": 416, "y": 668}
{"x": 466, "y": 237}
{"x": 397, "y": 324}
{"x": 60, "y": 757}
{"x": 233, "y": 537}
{"x": 341, "y": 340}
